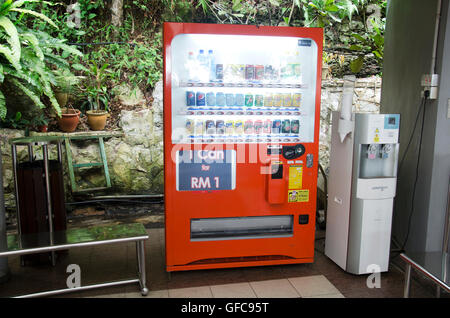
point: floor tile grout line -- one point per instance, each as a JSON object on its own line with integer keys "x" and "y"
{"x": 298, "y": 292}
{"x": 253, "y": 290}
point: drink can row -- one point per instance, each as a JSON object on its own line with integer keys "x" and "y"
{"x": 249, "y": 100}
{"x": 250, "y": 72}
{"x": 195, "y": 98}
{"x": 239, "y": 127}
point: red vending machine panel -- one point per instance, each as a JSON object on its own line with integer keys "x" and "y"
{"x": 241, "y": 134}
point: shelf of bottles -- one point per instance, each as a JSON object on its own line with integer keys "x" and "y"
{"x": 238, "y": 103}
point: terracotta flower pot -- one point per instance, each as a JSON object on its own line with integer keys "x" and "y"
{"x": 69, "y": 120}
{"x": 96, "y": 119}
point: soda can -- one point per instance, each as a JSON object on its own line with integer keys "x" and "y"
{"x": 296, "y": 99}
{"x": 268, "y": 100}
{"x": 189, "y": 125}
{"x": 249, "y": 128}
{"x": 275, "y": 74}
{"x": 259, "y": 100}
{"x": 248, "y": 100}
{"x": 267, "y": 126}
{"x": 249, "y": 72}
{"x": 287, "y": 100}
{"x": 238, "y": 127}
{"x": 228, "y": 73}
{"x": 258, "y": 126}
{"x": 296, "y": 70}
{"x": 229, "y": 127}
{"x": 295, "y": 126}
{"x": 240, "y": 100}
{"x": 268, "y": 72}
{"x": 200, "y": 99}
{"x": 276, "y": 126}
{"x": 199, "y": 127}
{"x": 210, "y": 127}
{"x": 190, "y": 98}
{"x": 286, "y": 126}
{"x": 220, "y": 127}
{"x": 259, "y": 72}
{"x": 219, "y": 72}
{"x": 220, "y": 99}
{"x": 240, "y": 73}
{"x": 230, "y": 99}
{"x": 210, "y": 99}
{"x": 277, "y": 99}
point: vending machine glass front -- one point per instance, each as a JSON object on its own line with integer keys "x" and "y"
{"x": 243, "y": 89}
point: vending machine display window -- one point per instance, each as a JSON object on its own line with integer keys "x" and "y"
{"x": 242, "y": 89}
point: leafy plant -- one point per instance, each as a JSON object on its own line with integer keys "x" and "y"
{"x": 16, "y": 121}
{"x": 321, "y": 13}
{"x": 370, "y": 42}
{"x": 66, "y": 81}
{"x": 27, "y": 56}
{"x": 40, "y": 120}
{"x": 95, "y": 88}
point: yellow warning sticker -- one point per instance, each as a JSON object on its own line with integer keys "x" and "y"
{"x": 295, "y": 177}
{"x": 298, "y": 195}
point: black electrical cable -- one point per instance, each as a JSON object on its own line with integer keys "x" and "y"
{"x": 101, "y": 43}
{"x": 115, "y": 200}
{"x": 417, "y": 167}
{"x": 422, "y": 104}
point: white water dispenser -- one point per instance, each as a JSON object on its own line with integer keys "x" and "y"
{"x": 361, "y": 191}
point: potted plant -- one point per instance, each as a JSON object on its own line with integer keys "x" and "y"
{"x": 70, "y": 117}
{"x": 65, "y": 82}
{"x": 40, "y": 123}
{"x": 97, "y": 96}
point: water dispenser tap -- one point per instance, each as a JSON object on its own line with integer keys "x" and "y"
{"x": 385, "y": 150}
{"x": 372, "y": 151}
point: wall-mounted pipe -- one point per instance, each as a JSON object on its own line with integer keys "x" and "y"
{"x": 436, "y": 36}
{"x": 345, "y": 118}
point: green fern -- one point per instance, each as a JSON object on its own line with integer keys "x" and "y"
{"x": 20, "y": 3}
{"x": 13, "y": 37}
{"x": 10, "y": 57}
{"x": 37, "y": 15}
{"x": 25, "y": 76}
{"x": 32, "y": 95}
{"x": 34, "y": 44}
{"x": 29, "y": 56}
{"x": 3, "y": 108}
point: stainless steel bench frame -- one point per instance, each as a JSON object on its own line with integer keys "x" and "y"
{"x": 45, "y": 141}
{"x": 443, "y": 257}
{"x": 411, "y": 263}
{"x": 140, "y": 251}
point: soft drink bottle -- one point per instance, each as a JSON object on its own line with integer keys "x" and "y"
{"x": 203, "y": 67}
{"x": 190, "y": 67}
{"x": 212, "y": 66}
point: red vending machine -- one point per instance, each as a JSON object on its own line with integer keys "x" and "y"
{"x": 241, "y": 134}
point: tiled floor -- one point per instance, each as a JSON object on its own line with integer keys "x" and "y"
{"x": 322, "y": 278}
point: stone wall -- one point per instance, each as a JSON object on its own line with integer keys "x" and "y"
{"x": 135, "y": 152}
{"x": 366, "y": 99}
